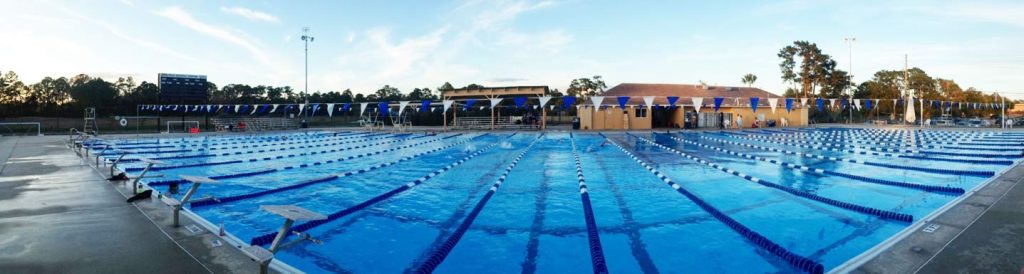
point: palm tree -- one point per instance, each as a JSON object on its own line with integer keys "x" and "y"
{"x": 749, "y": 79}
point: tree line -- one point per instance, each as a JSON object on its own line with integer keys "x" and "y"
{"x": 811, "y": 73}
{"x": 67, "y": 97}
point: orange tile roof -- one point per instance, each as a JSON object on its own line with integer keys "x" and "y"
{"x": 685, "y": 91}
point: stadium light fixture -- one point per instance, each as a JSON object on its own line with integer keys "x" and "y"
{"x": 306, "y": 39}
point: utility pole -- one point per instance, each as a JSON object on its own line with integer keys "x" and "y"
{"x": 306, "y": 38}
{"x": 849, "y": 41}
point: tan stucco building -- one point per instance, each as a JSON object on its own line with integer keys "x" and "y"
{"x": 637, "y": 115}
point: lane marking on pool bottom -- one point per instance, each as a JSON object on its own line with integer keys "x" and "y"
{"x": 972, "y": 161}
{"x": 797, "y": 261}
{"x": 234, "y": 145}
{"x": 259, "y": 139}
{"x": 267, "y": 238}
{"x": 274, "y": 142}
{"x": 812, "y": 170}
{"x": 234, "y": 198}
{"x": 441, "y": 252}
{"x": 884, "y": 214}
{"x": 339, "y": 159}
{"x": 305, "y": 146}
{"x": 840, "y": 159}
{"x": 268, "y": 158}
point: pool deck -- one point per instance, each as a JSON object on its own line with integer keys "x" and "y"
{"x": 983, "y": 233}
{"x": 58, "y": 214}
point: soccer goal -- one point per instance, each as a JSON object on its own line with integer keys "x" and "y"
{"x": 181, "y": 126}
{"x": 21, "y": 129}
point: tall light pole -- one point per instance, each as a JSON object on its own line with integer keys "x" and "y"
{"x": 1002, "y": 109}
{"x": 849, "y": 41}
{"x": 306, "y": 39}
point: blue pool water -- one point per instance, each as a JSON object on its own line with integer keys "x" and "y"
{"x": 753, "y": 201}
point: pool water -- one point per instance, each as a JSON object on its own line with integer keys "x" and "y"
{"x": 752, "y": 201}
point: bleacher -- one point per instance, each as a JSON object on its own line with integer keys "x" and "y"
{"x": 485, "y": 123}
{"x": 256, "y": 123}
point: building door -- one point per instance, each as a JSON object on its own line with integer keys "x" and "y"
{"x": 662, "y": 117}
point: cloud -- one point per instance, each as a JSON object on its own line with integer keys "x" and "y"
{"x": 117, "y": 31}
{"x": 447, "y": 52}
{"x": 183, "y": 18}
{"x": 505, "y": 12}
{"x": 532, "y": 44}
{"x": 252, "y": 15}
{"x": 394, "y": 58}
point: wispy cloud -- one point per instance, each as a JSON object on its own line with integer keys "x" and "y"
{"x": 379, "y": 55}
{"x": 252, "y": 15}
{"x": 398, "y": 58}
{"x": 183, "y": 18}
{"x": 118, "y": 32}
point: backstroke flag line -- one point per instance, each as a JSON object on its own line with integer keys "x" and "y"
{"x": 447, "y": 104}
{"x": 544, "y": 100}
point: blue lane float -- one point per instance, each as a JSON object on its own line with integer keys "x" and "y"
{"x": 923, "y": 152}
{"x": 597, "y": 258}
{"x": 133, "y": 169}
{"x": 257, "y": 145}
{"x": 438, "y": 254}
{"x": 265, "y": 239}
{"x": 261, "y": 141}
{"x": 797, "y": 167}
{"x": 205, "y": 141}
{"x": 884, "y": 214}
{"x": 969, "y": 161}
{"x": 221, "y": 200}
{"x": 247, "y": 174}
{"x": 811, "y": 145}
{"x": 895, "y": 155}
{"x": 799, "y": 262}
{"x": 981, "y": 173}
{"x": 281, "y": 149}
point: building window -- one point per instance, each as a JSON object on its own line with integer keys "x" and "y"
{"x": 640, "y": 112}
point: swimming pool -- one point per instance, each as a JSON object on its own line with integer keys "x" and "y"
{"x": 770, "y": 200}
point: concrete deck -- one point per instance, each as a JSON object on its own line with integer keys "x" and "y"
{"x": 59, "y": 215}
{"x": 984, "y": 233}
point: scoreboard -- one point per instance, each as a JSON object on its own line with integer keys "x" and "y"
{"x": 175, "y": 87}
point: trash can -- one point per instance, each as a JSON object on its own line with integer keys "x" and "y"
{"x": 576, "y": 123}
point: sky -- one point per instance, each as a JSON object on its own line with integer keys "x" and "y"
{"x": 363, "y": 45}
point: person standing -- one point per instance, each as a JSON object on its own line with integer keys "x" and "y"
{"x": 739, "y": 121}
